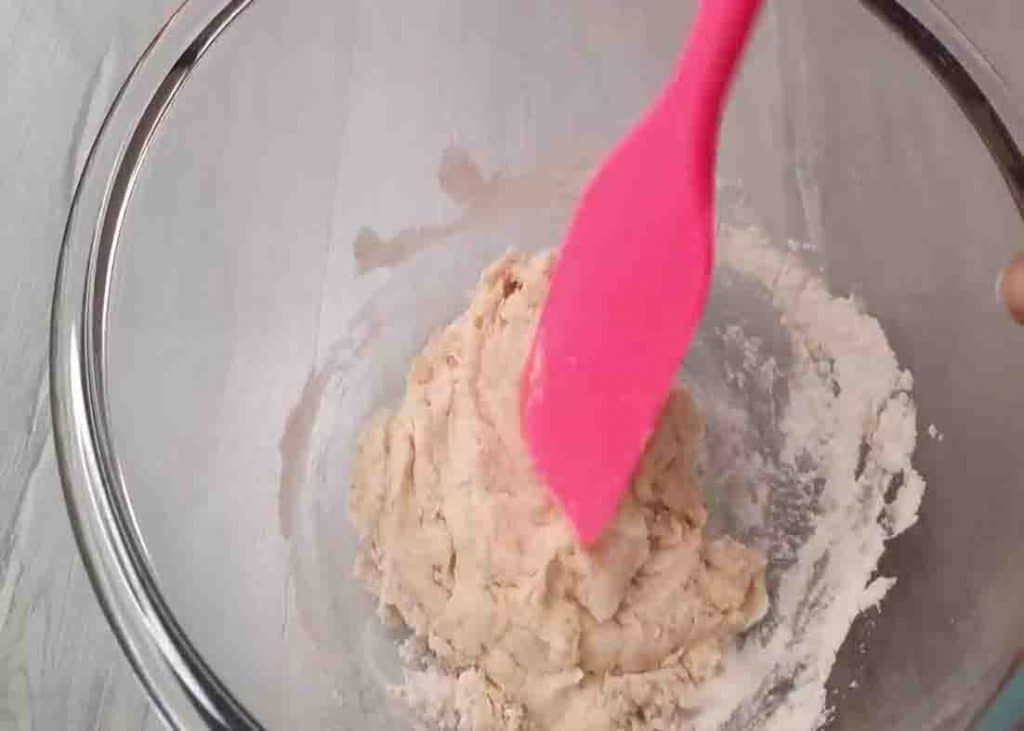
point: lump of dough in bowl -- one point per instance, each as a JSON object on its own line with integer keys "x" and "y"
{"x": 462, "y": 541}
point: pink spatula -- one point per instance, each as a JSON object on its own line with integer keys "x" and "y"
{"x": 630, "y": 283}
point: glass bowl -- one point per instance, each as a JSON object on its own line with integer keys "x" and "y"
{"x": 284, "y": 202}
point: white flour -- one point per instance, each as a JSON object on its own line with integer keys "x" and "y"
{"x": 837, "y": 481}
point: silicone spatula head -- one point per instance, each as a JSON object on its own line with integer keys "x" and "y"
{"x": 630, "y": 283}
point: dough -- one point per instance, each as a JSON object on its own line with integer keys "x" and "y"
{"x": 462, "y": 543}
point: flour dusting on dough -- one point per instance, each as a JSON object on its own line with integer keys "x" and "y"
{"x": 810, "y": 433}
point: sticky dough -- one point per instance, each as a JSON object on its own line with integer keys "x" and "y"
{"x": 461, "y": 542}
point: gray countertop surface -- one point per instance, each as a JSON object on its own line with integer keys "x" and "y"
{"x": 61, "y": 64}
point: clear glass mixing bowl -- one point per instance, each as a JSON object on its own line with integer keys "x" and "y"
{"x": 287, "y": 198}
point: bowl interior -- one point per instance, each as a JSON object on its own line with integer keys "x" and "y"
{"x": 327, "y": 187}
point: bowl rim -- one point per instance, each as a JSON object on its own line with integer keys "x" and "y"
{"x": 185, "y": 690}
